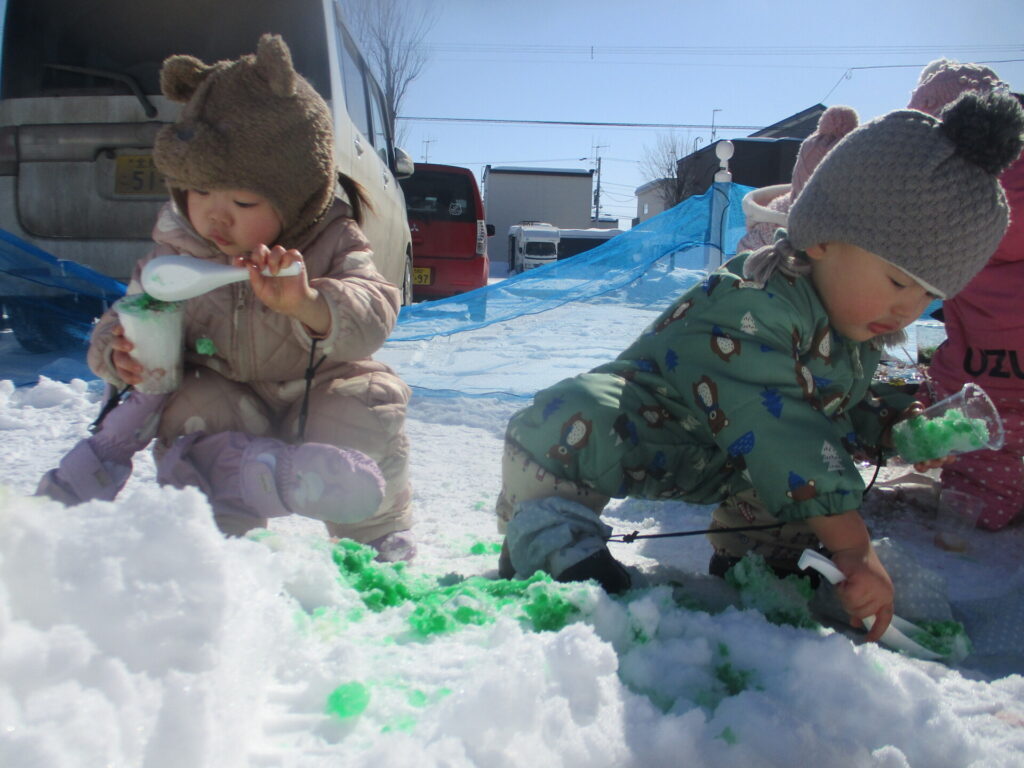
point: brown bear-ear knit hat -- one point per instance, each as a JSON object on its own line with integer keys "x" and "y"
{"x": 255, "y": 124}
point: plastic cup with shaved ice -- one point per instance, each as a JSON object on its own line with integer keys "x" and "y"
{"x": 157, "y": 330}
{"x": 963, "y": 422}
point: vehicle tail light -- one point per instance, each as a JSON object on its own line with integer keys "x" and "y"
{"x": 481, "y": 237}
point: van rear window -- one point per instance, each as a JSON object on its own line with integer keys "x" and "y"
{"x": 440, "y": 196}
{"x": 47, "y": 43}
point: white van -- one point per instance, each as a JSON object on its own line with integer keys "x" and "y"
{"x": 80, "y": 105}
{"x": 531, "y": 244}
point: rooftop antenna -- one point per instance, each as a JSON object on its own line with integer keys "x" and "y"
{"x": 426, "y": 149}
{"x": 713, "y": 111}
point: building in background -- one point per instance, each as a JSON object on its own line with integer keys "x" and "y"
{"x": 651, "y": 199}
{"x": 559, "y": 196}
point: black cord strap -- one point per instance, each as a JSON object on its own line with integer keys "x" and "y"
{"x": 629, "y": 538}
{"x": 112, "y": 402}
{"x": 310, "y": 372}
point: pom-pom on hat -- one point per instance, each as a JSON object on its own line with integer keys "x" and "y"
{"x": 253, "y": 123}
{"x": 918, "y": 191}
{"x": 766, "y": 208}
{"x": 943, "y": 81}
{"x": 834, "y": 123}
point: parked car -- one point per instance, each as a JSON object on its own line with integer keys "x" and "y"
{"x": 80, "y": 105}
{"x": 449, "y": 231}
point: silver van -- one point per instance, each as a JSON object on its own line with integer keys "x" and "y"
{"x": 80, "y": 104}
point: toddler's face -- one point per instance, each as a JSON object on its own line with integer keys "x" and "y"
{"x": 235, "y": 220}
{"x": 865, "y": 295}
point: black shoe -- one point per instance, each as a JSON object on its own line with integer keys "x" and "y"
{"x": 505, "y": 569}
{"x": 602, "y": 568}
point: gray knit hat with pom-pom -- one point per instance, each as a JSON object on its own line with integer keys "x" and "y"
{"x": 920, "y": 192}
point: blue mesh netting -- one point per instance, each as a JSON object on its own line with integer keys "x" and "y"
{"x": 521, "y": 334}
{"x": 509, "y": 339}
{"x": 50, "y": 303}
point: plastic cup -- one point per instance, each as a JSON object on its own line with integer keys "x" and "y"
{"x": 957, "y": 516}
{"x": 963, "y": 422}
{"x": 157, "y": 330}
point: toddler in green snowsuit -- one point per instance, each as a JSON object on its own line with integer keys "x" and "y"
{"x": 753, "y": 390}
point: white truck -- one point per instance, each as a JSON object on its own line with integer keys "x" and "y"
{"x": 531, "y": 244}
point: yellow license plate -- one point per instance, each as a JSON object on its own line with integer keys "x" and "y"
{"x": 137, "y": 175}
{"x": 421, "y": 275}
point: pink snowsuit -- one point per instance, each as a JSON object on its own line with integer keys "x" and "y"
{"x": 985, "y": 344}
{"x": 253, "y": 379}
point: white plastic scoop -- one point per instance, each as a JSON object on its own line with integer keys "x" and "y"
{"x": 895, "y": 635}
{"x": 177, "y": 277}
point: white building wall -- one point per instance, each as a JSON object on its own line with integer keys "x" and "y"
{"x": 649, "y": 200}
{"x": 559, "y": 197}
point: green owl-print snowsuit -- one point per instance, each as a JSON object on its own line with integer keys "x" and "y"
{"x": 737, "y": 385}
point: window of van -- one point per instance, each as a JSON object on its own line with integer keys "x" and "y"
{"x": 355, "y": 85}
{"x": 439, "y": 196}
{"x": 379, "y": 139}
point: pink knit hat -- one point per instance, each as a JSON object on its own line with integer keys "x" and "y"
{"x": 943, "y": 80}
{"x": 834, "y": 123}
{"x": 766, "y": 211}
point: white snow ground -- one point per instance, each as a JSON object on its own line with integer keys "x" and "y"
{"x": 133, "y": 634}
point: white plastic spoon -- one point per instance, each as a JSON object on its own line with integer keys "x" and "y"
{"x": 177, "y": 277}
{"x": 895, "y": 635}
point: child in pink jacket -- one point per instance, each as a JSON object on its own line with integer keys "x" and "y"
{"x": 281, "y": 408}
{"x": 984, "y": 325}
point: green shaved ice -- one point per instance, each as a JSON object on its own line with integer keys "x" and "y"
{"x": 485, "y": 548}
{"x": 205, "y": 346}
{"x": 728, "y": 736}
{"x": 946, "y": 638}
{"x": 442, "y": 606}
{"x": 921, "y": 439}
{"x": 782, "y": 601}
{"x": 348, "y": 700}
{"x": 143, "y": 302}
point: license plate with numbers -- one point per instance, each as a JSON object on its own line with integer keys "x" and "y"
{"x": 137, "y": 175}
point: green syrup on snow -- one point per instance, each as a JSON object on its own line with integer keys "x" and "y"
{"x": 348, "y": 700}
{"x": 782, "y": 601}
{"x": 440, "y": 608}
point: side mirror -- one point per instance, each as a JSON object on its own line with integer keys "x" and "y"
{"x": 490, "y": 230}
{"x": 404, "y": 166}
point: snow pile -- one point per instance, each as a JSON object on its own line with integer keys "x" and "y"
{"x": 132, "y": 633}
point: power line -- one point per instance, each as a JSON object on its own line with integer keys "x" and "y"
{"x": 848, "y": 74}
{"x": 580, "y": 123}
{"x": 593, "y": 51}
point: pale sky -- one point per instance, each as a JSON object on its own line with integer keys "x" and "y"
{"x": 679, "y": 62}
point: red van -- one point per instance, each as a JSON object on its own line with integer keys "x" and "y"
{"x": 449, "y": 234}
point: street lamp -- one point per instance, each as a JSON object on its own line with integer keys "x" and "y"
{"x": 713, "y": 123}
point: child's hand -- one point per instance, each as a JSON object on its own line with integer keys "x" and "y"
{"x": 915, "y": 409}
{"x": 129, "y": 370}
{"x": 292, "y": 296}
{"x": 281, "y": 294}
{"x": 924, "y": 466}
{"x": 867, "y": 590}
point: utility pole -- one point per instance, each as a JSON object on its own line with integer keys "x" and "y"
{"x": 713, "y": 111}
{"x": 597, "y": 187}
{"x": 426, "y": 149}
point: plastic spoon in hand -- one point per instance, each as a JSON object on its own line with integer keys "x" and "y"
{"x": 177, "y": 277}
{"x": 895, "y": 635}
